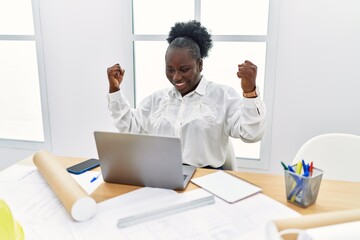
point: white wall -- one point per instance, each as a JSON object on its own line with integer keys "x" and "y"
{"x": 81, "y": 39}
{"x": 316, "y": 87}
{"x": 317, "y": 84}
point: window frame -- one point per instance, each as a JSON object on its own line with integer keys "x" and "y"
{"x": 37, "y": 38}
{"x": 270, "y": 39}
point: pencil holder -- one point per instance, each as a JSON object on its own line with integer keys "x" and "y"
{"x": 301, "y": 190}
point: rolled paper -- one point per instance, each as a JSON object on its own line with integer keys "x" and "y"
{"x": 311, "y": 221}
{"x": 76, "y": 201}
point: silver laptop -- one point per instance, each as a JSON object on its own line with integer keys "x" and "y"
{"x": 143, "y": 160}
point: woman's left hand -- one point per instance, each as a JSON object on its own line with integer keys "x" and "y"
{"x": 247, "y": 72}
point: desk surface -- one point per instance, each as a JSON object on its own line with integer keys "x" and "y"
{"x": 333, "y": 195}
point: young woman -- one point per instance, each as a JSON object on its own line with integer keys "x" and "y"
{"x": 201, "y": 113}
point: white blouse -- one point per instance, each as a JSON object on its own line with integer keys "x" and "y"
{"x": 203, "y": 119}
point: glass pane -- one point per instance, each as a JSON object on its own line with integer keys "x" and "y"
{"x": 235, "y": 17}
{"x": 222, "y": 64}
{"x": 168, "y": 12}
{"x": 150, "y": 77}
{"x": 246, "y": 150}
{"x": 221, "y": 67}
{"x": 16, "y": 17}
{"x": 20, "y": 104}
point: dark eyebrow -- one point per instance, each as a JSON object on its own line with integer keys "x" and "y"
{"x": 181, "y": 67}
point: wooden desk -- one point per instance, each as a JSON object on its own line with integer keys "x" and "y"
{"x": 333, "y": 195}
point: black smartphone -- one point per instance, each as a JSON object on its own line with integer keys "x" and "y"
{"x": 84, "y": 166}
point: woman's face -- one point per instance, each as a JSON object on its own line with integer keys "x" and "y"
{"x": 182, "y": 70}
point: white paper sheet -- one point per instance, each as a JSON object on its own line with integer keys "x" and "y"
{"x": 34, "y": 204}
{"x": 243, "y": 220}
{"x": 41, "y": 214}
{"x": 85, "y": 180}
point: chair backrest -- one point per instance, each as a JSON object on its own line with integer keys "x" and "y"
{"x": 230, "y": 161}
{"x": 337, "y": 154}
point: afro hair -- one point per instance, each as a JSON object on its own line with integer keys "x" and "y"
{"x": 196, "y": 32}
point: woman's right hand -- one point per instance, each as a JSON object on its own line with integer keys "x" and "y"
{"x": 115, "y": 76}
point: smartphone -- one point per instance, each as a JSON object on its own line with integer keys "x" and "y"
{"x": 84, "y": 166}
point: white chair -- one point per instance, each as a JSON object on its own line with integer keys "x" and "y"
{"x": 230, "y": 161}
{"x": 337, "y": 154}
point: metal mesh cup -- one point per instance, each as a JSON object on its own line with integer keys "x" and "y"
{"x": 302, "y": 190}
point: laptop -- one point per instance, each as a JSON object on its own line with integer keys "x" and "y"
{"x": 142, "y": 160}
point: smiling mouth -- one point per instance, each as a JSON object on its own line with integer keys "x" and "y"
{"x": 180, "y": 85}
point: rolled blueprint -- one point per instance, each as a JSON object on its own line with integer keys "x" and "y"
{"x": 311, "y": 221}
{"x": 76, "y": 201}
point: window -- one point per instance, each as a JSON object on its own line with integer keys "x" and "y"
{"x": 239, "y": 31}
{"x": 22, "y": 122}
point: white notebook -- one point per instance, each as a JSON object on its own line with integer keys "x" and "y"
{"x": 226, "y": 186}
